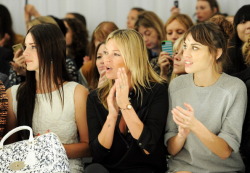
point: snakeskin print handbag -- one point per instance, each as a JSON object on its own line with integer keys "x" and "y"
{"x": 42, "y": 154}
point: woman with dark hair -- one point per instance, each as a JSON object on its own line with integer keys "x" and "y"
{"x": 76, "y": 40}
{"x": 206, "y": 9}
{"x": 99, "y": 35}
{"x": 98, "y": 69}
{"x": 245, "y": 77}
{"x": 7, "y": 36}
{"x": 132, "y": 16}
{"x": 207, "y": 107}
{"x": 241, "y": 32}
{"x": 47, "y": 100}
{"x": 77, "y": 16}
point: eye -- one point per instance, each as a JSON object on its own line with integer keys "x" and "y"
{"x": 147, "y": 33}
{"x": 33, "y": 47}
{"x": 117, "y": 54}
{"x": 105, "y": 52}
{"x": 184, "y": 46}
{"x": 170, "y": 33}
{"x": 180, "y": 32}
{"x": 242, "y": 21}
{"x": 99, "y": 57}
{"x": 194, "y": 48}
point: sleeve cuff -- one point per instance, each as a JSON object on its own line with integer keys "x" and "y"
{"x": 167, "y": 136}
{"x": 230, "y": 141}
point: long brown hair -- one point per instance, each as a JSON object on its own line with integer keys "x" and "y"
{"x": 51, "y": 50}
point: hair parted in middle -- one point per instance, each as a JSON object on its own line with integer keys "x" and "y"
{"x": 134, "y": 52}
{"x": 149, "y": 19}
{"x": 51, "y": 51}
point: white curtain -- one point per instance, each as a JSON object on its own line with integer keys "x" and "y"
{"x": 96, "y": 11}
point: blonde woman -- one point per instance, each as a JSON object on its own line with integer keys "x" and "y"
{"x": 179, "y": 63}
{"x": 126, "y": 115}
{"x": 175, "y": 27}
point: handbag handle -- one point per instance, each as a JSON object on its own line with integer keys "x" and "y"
{"x": 31, "y": 138}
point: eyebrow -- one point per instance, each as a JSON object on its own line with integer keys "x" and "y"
{"x": 29, "y": 43}
{"x": 195, "y": 44}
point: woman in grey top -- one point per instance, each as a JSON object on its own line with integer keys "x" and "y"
{"x": 207, "y": 108}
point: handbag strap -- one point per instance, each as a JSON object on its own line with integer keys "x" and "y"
{"x": 31, "y": 138}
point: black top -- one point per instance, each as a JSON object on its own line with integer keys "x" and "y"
{"x": 126, "y": 153}
{"x": 245, "y": 141}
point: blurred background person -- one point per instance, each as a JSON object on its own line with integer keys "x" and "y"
{"x": 132, "y": 17}
{"x": 76, "y": 40}
{"x": 98, "y": 68}
{"x": 99, "y": 35}
{"x": 175, "y": 27}
{"x": 7, "y": 35}
{"x": 240, "y": 35}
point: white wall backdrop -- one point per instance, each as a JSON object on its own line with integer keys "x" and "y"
{"x": 97, "y": 11}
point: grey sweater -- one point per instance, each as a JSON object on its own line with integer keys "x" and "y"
{"x": 221, "y": 108}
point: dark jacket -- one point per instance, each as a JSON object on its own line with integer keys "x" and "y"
{"x": 245, "y": 141}
{"x": 126, "y": 153}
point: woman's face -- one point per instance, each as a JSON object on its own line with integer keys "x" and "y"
{"x": 179, "y": 64}
{"x": 243, "y": 30}
{"x": 203, "y": 10}
{"x": 150, "y": 37}
{"x": 30, "y": 54}
{"x": 197, "y": 57}
{"x": 131, "y": 19}
{"x": 174, "y": 30}
{"x": 113, "y": 60}
{"x": 99, "y": 59}
{"x": 69, "y": 34}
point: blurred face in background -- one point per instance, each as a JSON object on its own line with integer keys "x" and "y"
{"x": 174, "y": 30}
{"x": 243, "y": 30}
{"x": 131, "y": 19}
{"x": 179, "y": 64}
{"x": 150, "y": 37}
{"x": 99, "y": 59}
{"x": 204, "y": 10}
{"x": 69, "y": 34}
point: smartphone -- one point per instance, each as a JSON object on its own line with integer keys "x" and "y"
{"x": 167, "y": 46}
{"x": 17, "y": 47}
{"x": 176, "y": 3}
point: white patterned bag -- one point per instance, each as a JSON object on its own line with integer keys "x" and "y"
{"x": 42, "y": 154}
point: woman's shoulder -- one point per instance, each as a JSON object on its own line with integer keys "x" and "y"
{"x": 76, "y": 87}
{"x": 232, "y": 84}
{"x": 181, "y": 81}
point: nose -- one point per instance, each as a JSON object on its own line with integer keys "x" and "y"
{"x": 248, "y": 25}
{"x": 25, "y": 52}
{"x": 175, "y": 36}
{"x": 177, "y": 57}
{"x": 145, "y": 38}
{"x": 106, "y": 58}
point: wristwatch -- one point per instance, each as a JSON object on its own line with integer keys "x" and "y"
{"x": 128, "y": 107}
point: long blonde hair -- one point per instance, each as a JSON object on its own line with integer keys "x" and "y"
{"x": 134, "y": 52}
{"x": 246, "y": 51}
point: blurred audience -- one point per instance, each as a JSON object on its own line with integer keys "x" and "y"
{"x": 99, "y": 35}
{"x": 132, "y": 17}
{"x": 240, "y": 35}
